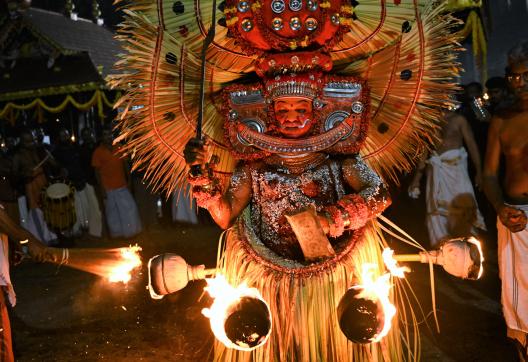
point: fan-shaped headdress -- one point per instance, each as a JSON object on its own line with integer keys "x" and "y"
{"x": 375, "y": 70}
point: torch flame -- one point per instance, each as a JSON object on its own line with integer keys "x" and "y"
{"x": 377, "y": 290}
{"x": 129, "y": 261}
{"x": 392, "y": 265}
{"x": 477, "y": 243}
{"x": 225, "y": 296}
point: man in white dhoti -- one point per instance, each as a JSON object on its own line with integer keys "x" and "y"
{"x": 121, "y": 211}
{"x": 508, "y": 135}
{"x": 452, "y": 209}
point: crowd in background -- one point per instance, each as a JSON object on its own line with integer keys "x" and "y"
{"x": 106, "y": 195}
{"x": 60, "y": 187}
{"x": 455, "y": 200}
{"x": 492, "y": 127}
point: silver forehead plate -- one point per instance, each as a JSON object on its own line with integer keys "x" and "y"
{"x": 342, "y": 89}
{"x": 246, "y": 97}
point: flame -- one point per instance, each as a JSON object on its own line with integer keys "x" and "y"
{"x": 225, "y": 296}
{"x": 478, "y": 244}
{"x": 129, "y": 261}
{"x": 392, "y": 265}
{"x": 377, "y": 290}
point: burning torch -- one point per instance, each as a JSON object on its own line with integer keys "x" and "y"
{"x": 365, "y": 312}
{"x": 240, "y": 318}
{"x": 116, "y": 265}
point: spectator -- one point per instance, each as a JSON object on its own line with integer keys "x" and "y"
{"x": 87, "y": 149}
{"x": 120, "y": 208}
{"x": 451, "y": 206}
{"x": 87, "y": 210}
{"x": 508, "y": 136}
{"x": 184, "y": 208}
{"x": 499, "y": 96}
{"x": 8, "y": 191}
{"x": 147, "y": 201}
{"x": 29, "y": 167}
{"x": 476, "y": 114}
{"x": 43, "y": 150}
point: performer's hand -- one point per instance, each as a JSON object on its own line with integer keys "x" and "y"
{"x": 195, "y": 152}
{"x": 325, "y": 224}
{"x": 514, "y": 219}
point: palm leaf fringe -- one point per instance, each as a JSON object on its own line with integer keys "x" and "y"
{"x": 303, "y": 308}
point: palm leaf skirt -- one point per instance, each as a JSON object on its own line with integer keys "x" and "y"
{"x": 303, "y": 301}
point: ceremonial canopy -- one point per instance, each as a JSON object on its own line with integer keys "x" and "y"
{"x": 49, "y": 61}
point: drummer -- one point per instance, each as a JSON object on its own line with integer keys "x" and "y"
{"x": 28, "y": 166}
{"x": 68, "y": 155}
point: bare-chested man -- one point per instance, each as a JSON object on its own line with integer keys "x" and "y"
{"x": 29, "y": 166}
{"x": 451, "y": 207}
{"x": 508, "y": 136}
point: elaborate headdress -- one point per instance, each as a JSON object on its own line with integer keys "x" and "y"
{"x": 391, "y": 61}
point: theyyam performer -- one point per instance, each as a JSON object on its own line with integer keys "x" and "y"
{"x": 309, "y": 106}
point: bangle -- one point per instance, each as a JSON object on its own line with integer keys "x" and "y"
{"x": 207, "y": 194}
{"x": 199, "y": 180}
{"x": 335, "y": 221}
{"x": 356, "y": 210}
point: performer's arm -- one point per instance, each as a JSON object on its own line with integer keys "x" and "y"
{"x": 223, "y": 207}
{"x": 227, "y": 207}
{"x": 514, "y": 219}
{"x": 354, "y": 210}
{"x": 469, "y": 140}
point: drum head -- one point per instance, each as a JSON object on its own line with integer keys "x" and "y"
{"x": 57, "y": 190}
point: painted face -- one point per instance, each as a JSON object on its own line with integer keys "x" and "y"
{"x": 294, "y": 116}
{"x": 518, "y": 78}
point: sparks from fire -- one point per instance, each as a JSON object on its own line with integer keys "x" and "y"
{"x": 130, "y": 261}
